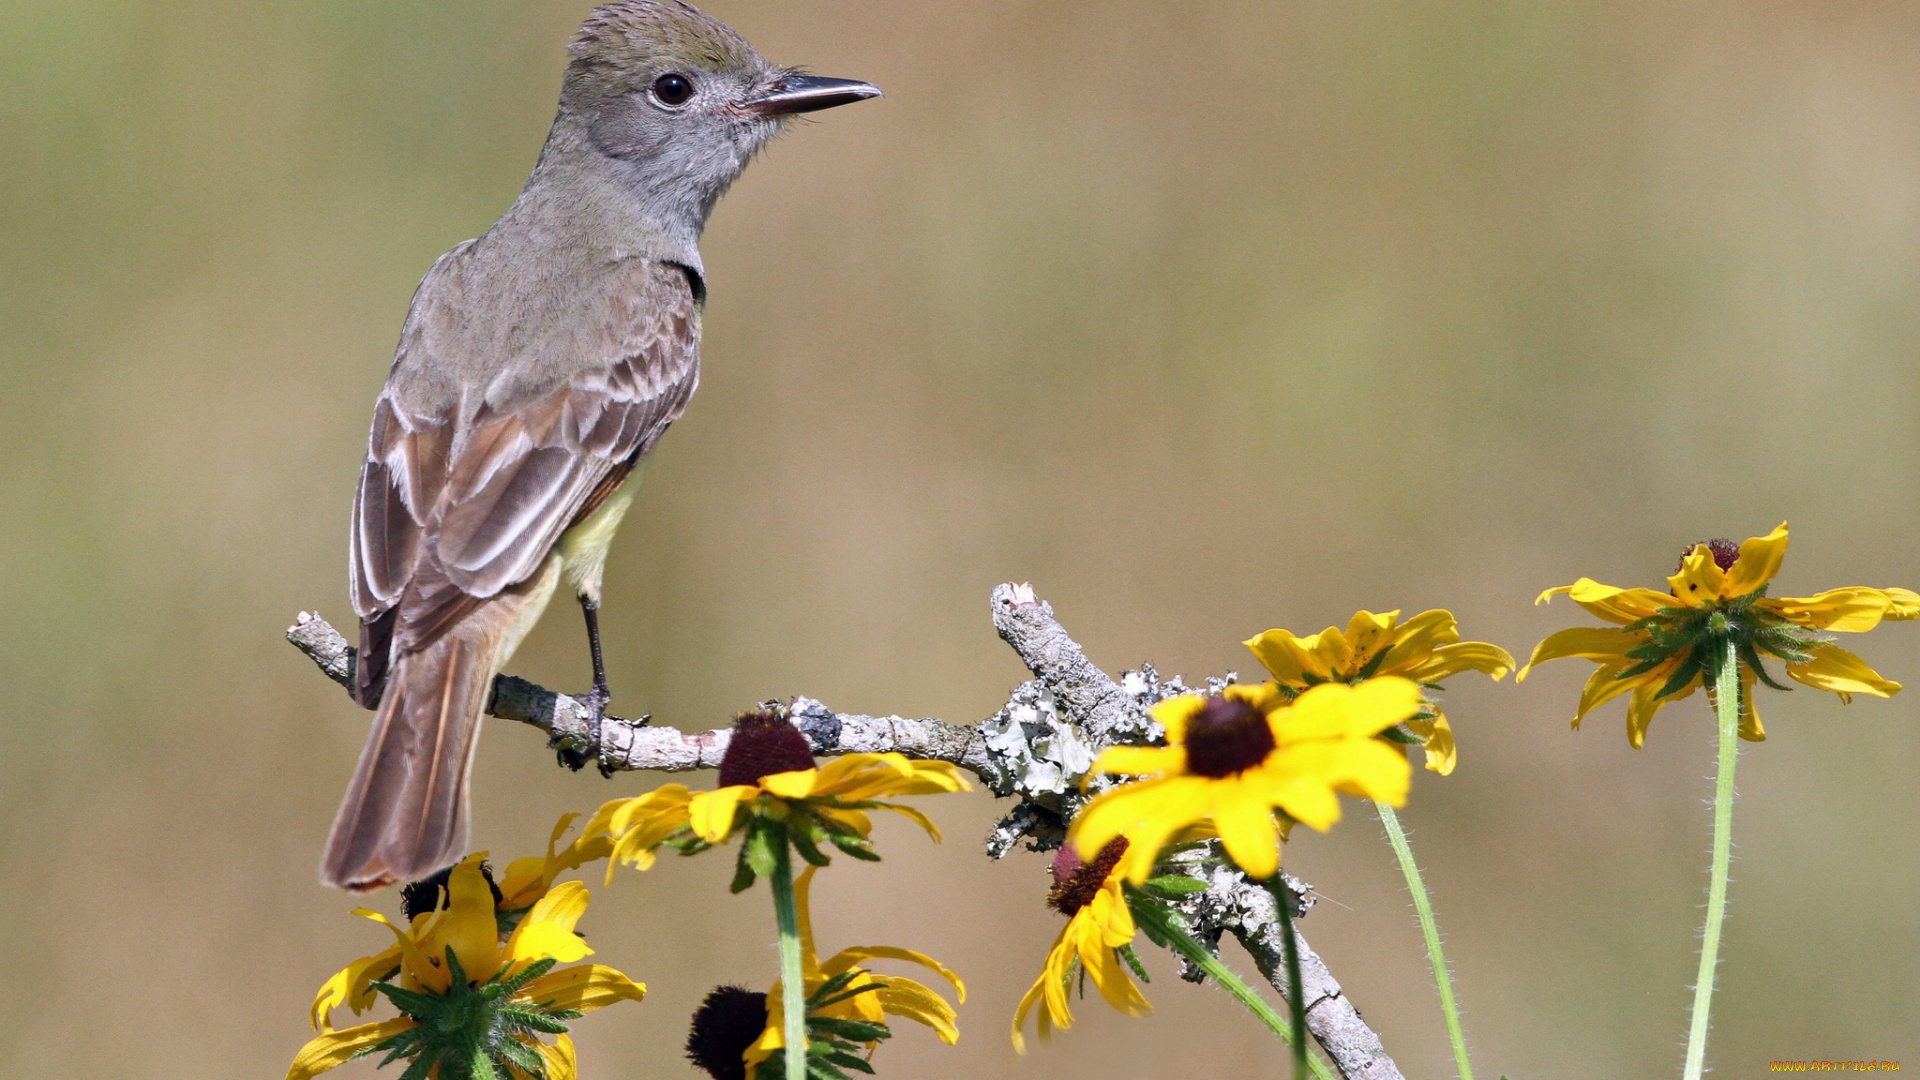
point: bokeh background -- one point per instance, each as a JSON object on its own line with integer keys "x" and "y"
{"x": 1204, "y": 318}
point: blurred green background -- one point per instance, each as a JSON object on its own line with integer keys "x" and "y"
{"x": 1203, "y": 318}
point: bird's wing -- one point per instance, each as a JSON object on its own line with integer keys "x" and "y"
{"x": 453, "y": 508}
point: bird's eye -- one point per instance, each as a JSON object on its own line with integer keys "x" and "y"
{"x": 672, "y": 89}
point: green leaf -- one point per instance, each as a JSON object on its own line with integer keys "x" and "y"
{"x": 1176, "y": 884}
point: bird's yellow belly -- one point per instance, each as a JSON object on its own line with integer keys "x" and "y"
{"x": 583, "y": 548}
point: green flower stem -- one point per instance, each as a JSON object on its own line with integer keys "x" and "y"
{"x": 1166, "y": 926}
{"x": 793, "y": 983}
{"x": 1431, "y": 929}
{"x": 1726, "y": 703}
{"x": 1283, "y": 903}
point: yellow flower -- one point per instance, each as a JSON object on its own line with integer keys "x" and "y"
{"x": 892, "y": 994}
{"x": 527, "y": 881}
{"x": 1426, "y": 648}
{"x": 1233, "y": 758}
{"x": 465, "y": 936}
{"x": 1099, "y": 924}
{"x": 1667, "y": 643}
{"x": 769, "y": 771}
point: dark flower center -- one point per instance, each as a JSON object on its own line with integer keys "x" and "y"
{"x": 1076, "y": 880}
{"x": 764, "y": 743}
{"x": 1227, "y": 736}
{"x": 1725, "y": 552}
{"x": 724, "y": 1025}
{"x": 431, "y": 893}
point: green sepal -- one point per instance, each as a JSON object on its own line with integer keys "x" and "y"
{"x": 849, "y": 1061}
{"x": 860, "y": 1031}
{"x": 762, "y": 835}
{"x": 742, "y": 873}
{"x": 800, "y": 833}
{"x": 1126, "y": 953}
{"x": 853, "y": 846}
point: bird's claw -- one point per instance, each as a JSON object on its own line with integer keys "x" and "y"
{"x": 576, "y": 758}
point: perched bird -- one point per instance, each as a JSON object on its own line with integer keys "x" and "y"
{"x": 538, "y": 365}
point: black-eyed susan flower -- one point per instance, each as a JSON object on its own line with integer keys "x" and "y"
{"x": 1234, "y": 757}
{"x": 1096, "y": 940}
{"x": 474, "y": 1000}
{"x": 846, "y": 1001}
{"x": 1664, "y": 645}
{"x": 1426, "y": 648}
{"x": 526, "y": 882}
{"x": 768, "y": 775}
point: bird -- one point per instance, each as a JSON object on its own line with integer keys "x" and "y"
{"x": 538, "y": 365}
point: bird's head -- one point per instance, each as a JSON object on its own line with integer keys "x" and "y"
{"x": 680, "y": 102}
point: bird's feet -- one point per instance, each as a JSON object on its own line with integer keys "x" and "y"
{"x": 576, "y": 757}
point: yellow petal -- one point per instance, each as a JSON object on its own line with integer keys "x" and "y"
{"x": 1147, "y": 813}
{"x": 469, "y": 926}
{"x": 909, "y": 999}
{"x": 916, "y": 816}
{"x": 1245, "y": 820}
{"x": 560, "y": 1059}
{"x": 855, "y": 820}
{"x": 1369, "y": 634}
{"x": 1640, "y": 711}
{"x": 1614, "y": 605}
{"x": 1902, "y": 604}
{"x": 547, "y": 930}
{"x": 1174, "y": 713}
{"x": 791, "y": 785}
{"x": 1853, "y": 610}
{"x": 803, "y": 913}
{"x": 1295, "y": 661}
{"x": 1140, "y": 760}
{"x": 1373, "y": 769}
{"x": 350, "y": 986}
{"x": 847, "y": 958}
{"x": 1836, "y": 669}
{"x": 1332, "y": 710}
{"x": 425, "y": 972}
{"x": 1605, "y": 684}
{"x": 528, "y": 879}
{"x": 1700, "y": 578}
{"x": 1415, "y": 641}
{"x": 1598, "y": 643}
{"x": 1450, "y": 660}
{"x": 1110, "y": 975}
{"x": 1045, "y": 990}
{"x": 1438, "y": 736}
{"x": 1759, "y": 561}
{"x": 586, "y": 987}
{"x": 1750, "y": 726}
{"x": 339, "y": 1047}
{"x": 711, "y": 813}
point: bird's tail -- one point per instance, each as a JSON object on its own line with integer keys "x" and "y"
{"x": 405, "y": 814}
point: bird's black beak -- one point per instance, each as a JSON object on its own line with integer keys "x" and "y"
{"x": 809, "y": 93}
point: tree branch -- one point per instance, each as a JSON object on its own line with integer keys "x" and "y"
{"x": 1039, "y": 746}
{"x": 635, "y": 744}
